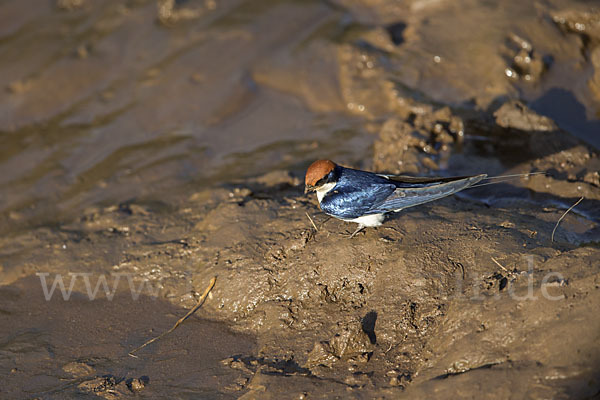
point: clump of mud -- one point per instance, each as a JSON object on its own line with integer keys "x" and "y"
{"x": 469, "y": 296}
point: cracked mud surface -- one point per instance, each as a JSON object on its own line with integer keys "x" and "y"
{"x": 175, "y": 149}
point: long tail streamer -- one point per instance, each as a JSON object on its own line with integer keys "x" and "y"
{"x": 505, "y": 178}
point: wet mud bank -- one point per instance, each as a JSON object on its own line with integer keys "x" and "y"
{"x": 479, "y": 295}
{"x": 57, "y": 348}
{"x": 436, "y": 302}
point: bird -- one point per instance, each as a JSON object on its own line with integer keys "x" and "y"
{"x": 366, "y": 198}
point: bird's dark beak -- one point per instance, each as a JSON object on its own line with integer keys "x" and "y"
{"x": 308, "y": 189}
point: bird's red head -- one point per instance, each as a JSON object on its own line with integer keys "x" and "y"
{"x": 316, "y": 172}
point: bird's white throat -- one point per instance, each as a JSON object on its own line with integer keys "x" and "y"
{"x": 323, "y": 190}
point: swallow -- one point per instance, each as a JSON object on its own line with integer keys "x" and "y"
{"x": 366, "y": 198}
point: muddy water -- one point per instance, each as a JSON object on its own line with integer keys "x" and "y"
{"x": 165, "y": 142}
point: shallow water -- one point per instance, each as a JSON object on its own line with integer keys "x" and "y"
{"x": 104, "y": 104}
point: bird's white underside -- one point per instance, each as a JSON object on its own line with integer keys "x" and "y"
{"x": 368, "y": 220}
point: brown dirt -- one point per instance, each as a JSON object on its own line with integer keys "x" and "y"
{"x": 175, "y": 149}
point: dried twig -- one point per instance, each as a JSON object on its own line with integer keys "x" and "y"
{"x": 500, "y": 265}
{"x": 180, "y": 321}
{"x": 562, "y": 216}
{"x": 311, "y": 221}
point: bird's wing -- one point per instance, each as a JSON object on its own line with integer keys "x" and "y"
{"x": 353, "y": 203}
{"x": 424, "y": 192}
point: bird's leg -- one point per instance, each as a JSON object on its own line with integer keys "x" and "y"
{"x": 360, "y": 228}
{"x": 393, "y": 229}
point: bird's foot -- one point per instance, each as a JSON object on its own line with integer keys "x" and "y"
{"x": 360, "y": 228}
{"x": 391, "y": 228}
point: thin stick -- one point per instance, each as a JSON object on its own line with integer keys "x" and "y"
{"x": 180, "y": 321}
{"x": 498, "y": 264}
{"x": 311, "y": 221}
{"x": 562, "y": 216}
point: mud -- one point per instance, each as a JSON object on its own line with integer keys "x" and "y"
{"x": 80, "y": 347}
{"x": 155, "y": 145}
